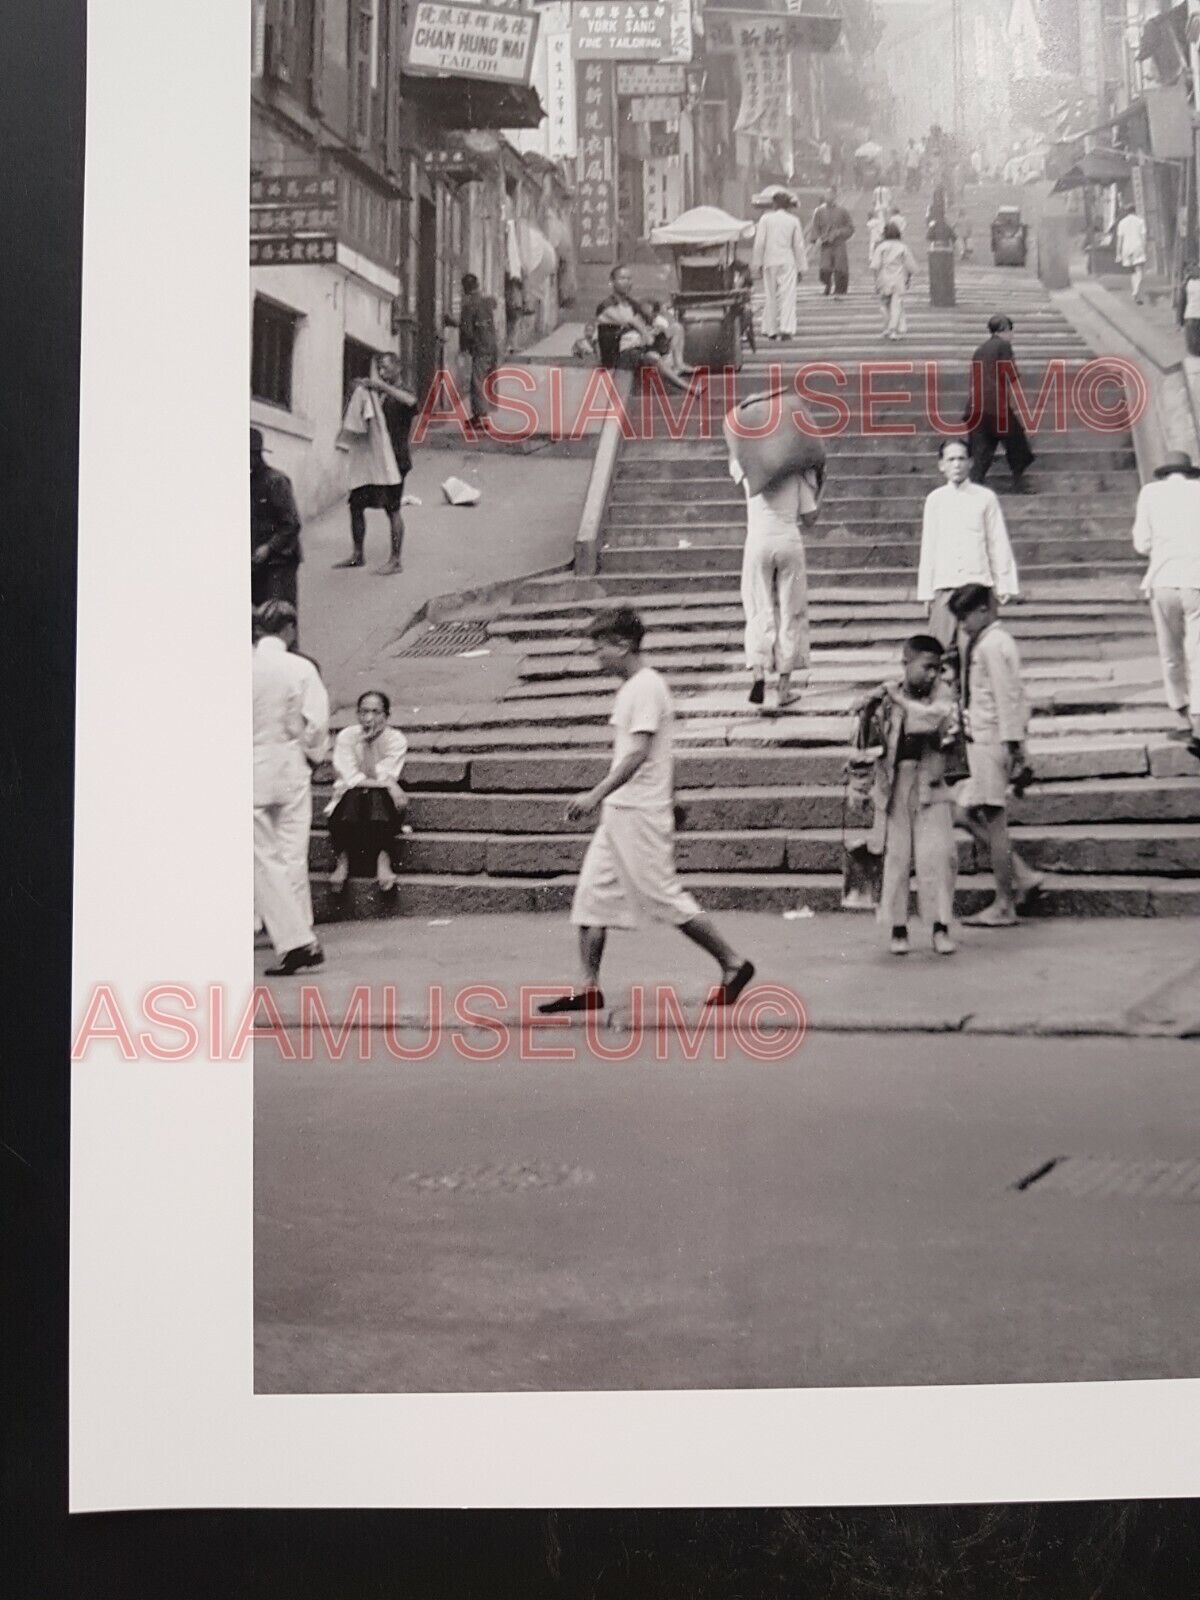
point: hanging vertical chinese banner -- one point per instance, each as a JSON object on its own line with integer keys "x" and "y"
{"x": 595, "y": 190}
{"x": 560, "y": 82}
{"x": 762, "y": 58}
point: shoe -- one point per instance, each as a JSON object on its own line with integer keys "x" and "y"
{"x": 943, "y": 944}
{"x": 580, "y": 1000}
{"x": 789, "y": 699}
{"x": 1029, "y": 894}
{"x": 727, "y": 991}
{"x": 758, "y": 691}
{"x": 990, "y": 917}
{"x": 898, "y": 944}
{"x": 389, "y": 567}
{"x": 1193, "y": 747}
{"x": 293, "y": 961}
{"x": 351, "y": 561}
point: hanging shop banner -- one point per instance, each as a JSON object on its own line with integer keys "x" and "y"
{"x": 560, "y": 83}
{"x": 662, "y": 191}
{"x": 621, "y": 30}
{"x": 762, "y": 59}
{"x": 817, "y": 33}
{"x": 470, "y": 42}
{"x": 654, "y": 108}
{"x": 595, "y": 188}
{"x": 642, "y": 78}
{"x": 681, "y": 31}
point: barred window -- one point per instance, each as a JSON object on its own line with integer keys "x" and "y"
{"x": 271, "y": 353}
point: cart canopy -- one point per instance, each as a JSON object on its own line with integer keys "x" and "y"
{"x": 702, "y": 228}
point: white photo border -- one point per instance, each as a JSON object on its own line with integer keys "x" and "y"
{"x": 163, "y": 1412}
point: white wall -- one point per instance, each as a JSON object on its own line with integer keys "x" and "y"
{"x": 333, "y": 302}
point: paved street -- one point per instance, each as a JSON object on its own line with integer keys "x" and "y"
{"x": 843, "y": 1217}
{"x": 349, "y": 618}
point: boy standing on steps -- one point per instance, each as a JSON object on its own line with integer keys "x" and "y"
{"x": 997, "y": 715}
{"x": 909, "y": 722}
{"x": 629, "y": 873}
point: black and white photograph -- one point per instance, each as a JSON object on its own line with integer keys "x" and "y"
{"x": 724, "y": 567}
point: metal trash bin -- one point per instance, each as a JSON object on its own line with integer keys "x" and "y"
{"x": 711, "y": 331}
{"x": 940, "y": 262}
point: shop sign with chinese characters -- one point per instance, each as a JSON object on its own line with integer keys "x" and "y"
{"x": 293, "y": 220}
{"x": 621, "y": 30}
{"x": 469, "y": 41}
{"x": 595, "y": 188}
{"x": 644, "y": 79}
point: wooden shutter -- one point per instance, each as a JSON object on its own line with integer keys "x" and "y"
{"x": 281, "y": 39}
{"x": 390, "y": 60}
{"x": 316, "y": 77}
{"x": 360, "y": 20}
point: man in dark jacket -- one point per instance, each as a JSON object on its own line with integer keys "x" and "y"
{"x": 829, "y": 229}
{"x": 274, "y": 530}
{"x": 993, "y": 367}
{"x": 477, "y": 338}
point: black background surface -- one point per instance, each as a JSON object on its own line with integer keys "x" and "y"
{"x": 1138, "y": 1549}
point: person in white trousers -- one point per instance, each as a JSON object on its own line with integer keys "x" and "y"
{"x": 291, "y": 715}
{"x": 1167, "y": 530}
{"x": 1131, "y": 249}
{"x": 775, "y": 581}
{"x": 780, "y": 256}
{"x": 894, "y": 266}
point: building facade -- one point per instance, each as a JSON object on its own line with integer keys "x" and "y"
{"x": 372, "y": 191}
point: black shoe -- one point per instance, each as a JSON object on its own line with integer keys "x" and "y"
{"x": 728, "y": 989}
{"x": 1193, "y": 748}
{"x": 581, "y": 1000}
{"x": 307, "y": 955}
{"x": 758, "y": 691}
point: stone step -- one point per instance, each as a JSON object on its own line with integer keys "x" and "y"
{"x": 721, "y": 626}
{"x": 874, "y": 453}
{"x": 899, "y": 423}
{"x": 435, "y": 895}
{"x": 842, "y": 684}
{"x": 645, "y": 589}
{"x": 1166, "y": 850}
{"x": 1049, "y": 803}
{"x": 843, "y": 555}
{"x": 886, "y": 510}
{"x": 1091, "y": 773}
{"x": 825, "y": 600}
{"x": 710, "y": 481}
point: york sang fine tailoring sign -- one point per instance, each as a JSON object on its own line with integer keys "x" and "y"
{"x": 470, "y": 42}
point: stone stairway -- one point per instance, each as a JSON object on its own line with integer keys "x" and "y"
{"x": 1115, "y": 812}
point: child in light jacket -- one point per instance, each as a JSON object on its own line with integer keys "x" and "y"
{"x": 893, "y": 264}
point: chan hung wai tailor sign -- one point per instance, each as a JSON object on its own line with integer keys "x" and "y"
{"x": 469, "y": 41}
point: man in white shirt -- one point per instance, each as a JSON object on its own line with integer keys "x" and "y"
{"x": 963, "y": 540}
{"x": 629, "y": 871}
{"x": 996, "y": 716}
{"x": 1131, "y": 249}
{"x": 779, "y": 254}
{"x": 291, "y": 715}
{"x": 1167, "y": 530}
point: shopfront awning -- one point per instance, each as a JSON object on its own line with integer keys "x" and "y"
{"x": 1164, "y": 41}
{"x": 461, "y": 103}
{"x": 1096, "y": 167}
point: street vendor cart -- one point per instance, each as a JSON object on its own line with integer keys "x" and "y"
{"x": 712, "y": 300}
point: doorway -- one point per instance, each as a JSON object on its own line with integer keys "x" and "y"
{"x": 429, "y": 335}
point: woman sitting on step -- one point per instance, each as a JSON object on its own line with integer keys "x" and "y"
{"x": 368, "y": 804}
